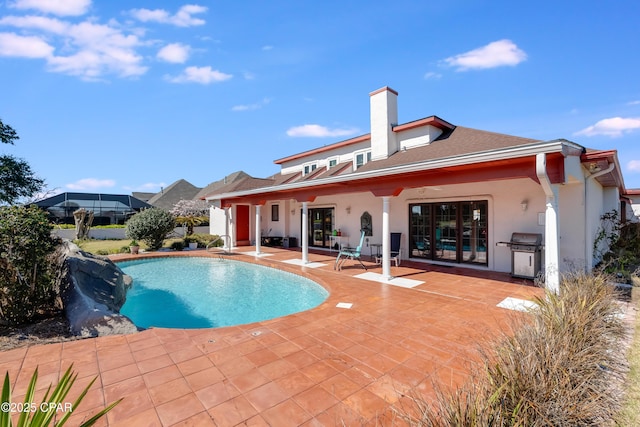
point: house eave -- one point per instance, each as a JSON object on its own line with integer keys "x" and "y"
{"x": 555, "y": 146}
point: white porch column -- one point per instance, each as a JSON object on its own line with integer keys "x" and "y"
{"x": 305, "y": 233}
{"x": 227, "y": 237}
{"x": 258, "y": 234}
{"x": 386, "y": 243}
{"x": 551, "y": 244}
{"x": 551, "y": 238}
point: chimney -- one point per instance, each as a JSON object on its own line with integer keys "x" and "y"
{"x": 384, "y": 115}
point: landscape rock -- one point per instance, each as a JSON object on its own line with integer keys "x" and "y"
{"x": 93, "y": 290}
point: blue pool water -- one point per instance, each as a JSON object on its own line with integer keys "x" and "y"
{"x": 206, "y": 292}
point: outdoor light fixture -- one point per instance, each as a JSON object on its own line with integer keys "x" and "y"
{"x": 348, "y": 209}
{"x": 524, "y": 205}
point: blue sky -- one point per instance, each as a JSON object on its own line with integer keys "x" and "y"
{"x": 115, "y": 97}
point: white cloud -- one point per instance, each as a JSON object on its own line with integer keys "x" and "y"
{"x": 42, "y": 23}
{"x": 432, "y": 76}
{"x": 633, "y": 103}
{"x": 92, "y": 50}
{"x": 91, "y": 184}
{"x": 634, "y": 165}
{"x": 176, "y": 53}
{"x": 55, "y": 7}
{"x": 613, "y": 127}
{"x": 267, "y": 47}
{"x": 317, "y": 131}
{"x": 496, "y": 54}
{"x": 250, "y": 107}
{"x": 202, "y": 75}
{"x": 12, "y": 44}
{"x": 182, "y": 18}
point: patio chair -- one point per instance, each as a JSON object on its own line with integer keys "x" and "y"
{"x": 353, "y": 253}
{"x": 395, "y": 250}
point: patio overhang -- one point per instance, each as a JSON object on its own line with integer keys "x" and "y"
{"x": 392, "y": 184}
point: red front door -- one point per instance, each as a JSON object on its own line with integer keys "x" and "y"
{"x": 242, "y": 223}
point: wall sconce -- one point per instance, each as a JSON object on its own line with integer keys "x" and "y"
{"x": 293, "y": 212}
{"x": 524, "y": 205}
{"x": 348, "y": 209}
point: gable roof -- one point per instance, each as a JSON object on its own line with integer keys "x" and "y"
{"x": 214, "y": 186}
{"x": 168, "y": 197}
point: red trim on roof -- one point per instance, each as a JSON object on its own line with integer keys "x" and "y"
{"x": 433, "y": 121}
{"x": 340, "y": 144}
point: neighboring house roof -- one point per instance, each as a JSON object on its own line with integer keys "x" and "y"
{"x": 242, "y": 184}
{"x": 168, "y": 197}
{"x": 142, "y": 195}
{"x": 214, "y": 186}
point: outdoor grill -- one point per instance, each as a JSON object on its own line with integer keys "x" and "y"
{"x": 526, "y": 250}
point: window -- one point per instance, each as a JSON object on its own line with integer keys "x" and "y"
{"x": 449, "y": 231}
{"x": 332, "y": 162}
{"x": 275, "y": 212}
{"x": 308, "y": 168}
{"x": 361, "y": 158}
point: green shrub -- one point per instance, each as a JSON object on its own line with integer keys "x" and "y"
{"x": 26, "y": 265}
{"x": 559, "y": 366}
{"x": 201, "y": 239}
{"x": 54, "y": 404}
{"x": 178, "y": 245}
{"x": 152, "y": 226}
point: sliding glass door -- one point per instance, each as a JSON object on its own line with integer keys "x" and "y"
{"x": 320, "y": 226}
{"x": 449, "y": 231}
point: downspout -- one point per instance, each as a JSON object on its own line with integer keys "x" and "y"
{"x": 586, "y": 209}
{"x": 552, "y": 274}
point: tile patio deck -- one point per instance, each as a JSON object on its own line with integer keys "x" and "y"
{"x": 328, "y": 366}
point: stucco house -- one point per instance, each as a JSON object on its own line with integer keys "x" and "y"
{"x": 455, "y": 193}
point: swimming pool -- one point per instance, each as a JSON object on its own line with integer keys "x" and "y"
{"x": 191, "y": 292}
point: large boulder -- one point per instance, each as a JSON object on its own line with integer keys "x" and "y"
{"x": 93, "y": 290}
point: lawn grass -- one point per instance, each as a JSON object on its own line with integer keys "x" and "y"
{"x": 114, "y": 246}
{"x": 630, "y": 413}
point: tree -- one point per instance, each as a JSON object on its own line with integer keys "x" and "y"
{"x": 151, "y": 226}
{"x": 190, "y": 213}
{"x": 26, "y": 270}
{"x": 16, "y": 177}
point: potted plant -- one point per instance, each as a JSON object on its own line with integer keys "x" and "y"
{"x": 191, "y": 242}
{"x": 134, "y": 247}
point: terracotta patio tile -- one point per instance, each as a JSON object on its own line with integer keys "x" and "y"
{"x": 146, "y": 418}
{"x": 123, "y": 388}
{"x": 203, "y": 378}
{"x": 294, "y": 383}
{"x": 148, "y": 352}
{"x": 340, "y": 386}
{"x": 179, "y": 409}
{"x": 276, "y": 369}
{"x": 154, "y": 363}
{"x": 315, "y": 400}
{"x": 319, "y": 371}
{"x": 131, "y": 404}
{"x": 232, "y": 412}
{"x": 249, "y": 380}
{"x": 366, "y": 403}
{"x": 185, "y": 350}
{"x": 338, "y": 415}
{"x": 161, "y": 376}
{"x": 235, "y": 366}
{"x": 286, "y": 414}
{"x": 169, "y": 391}
{"x": 266, "y": 396}
{"x": 216, "y": 394}
{"x": 113, "y": 376}
{"x": 191, "y": 366}
{"x": 201, "y": 419}
{"x": 262, "y": 357}
{"x": 300, "y": 359}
